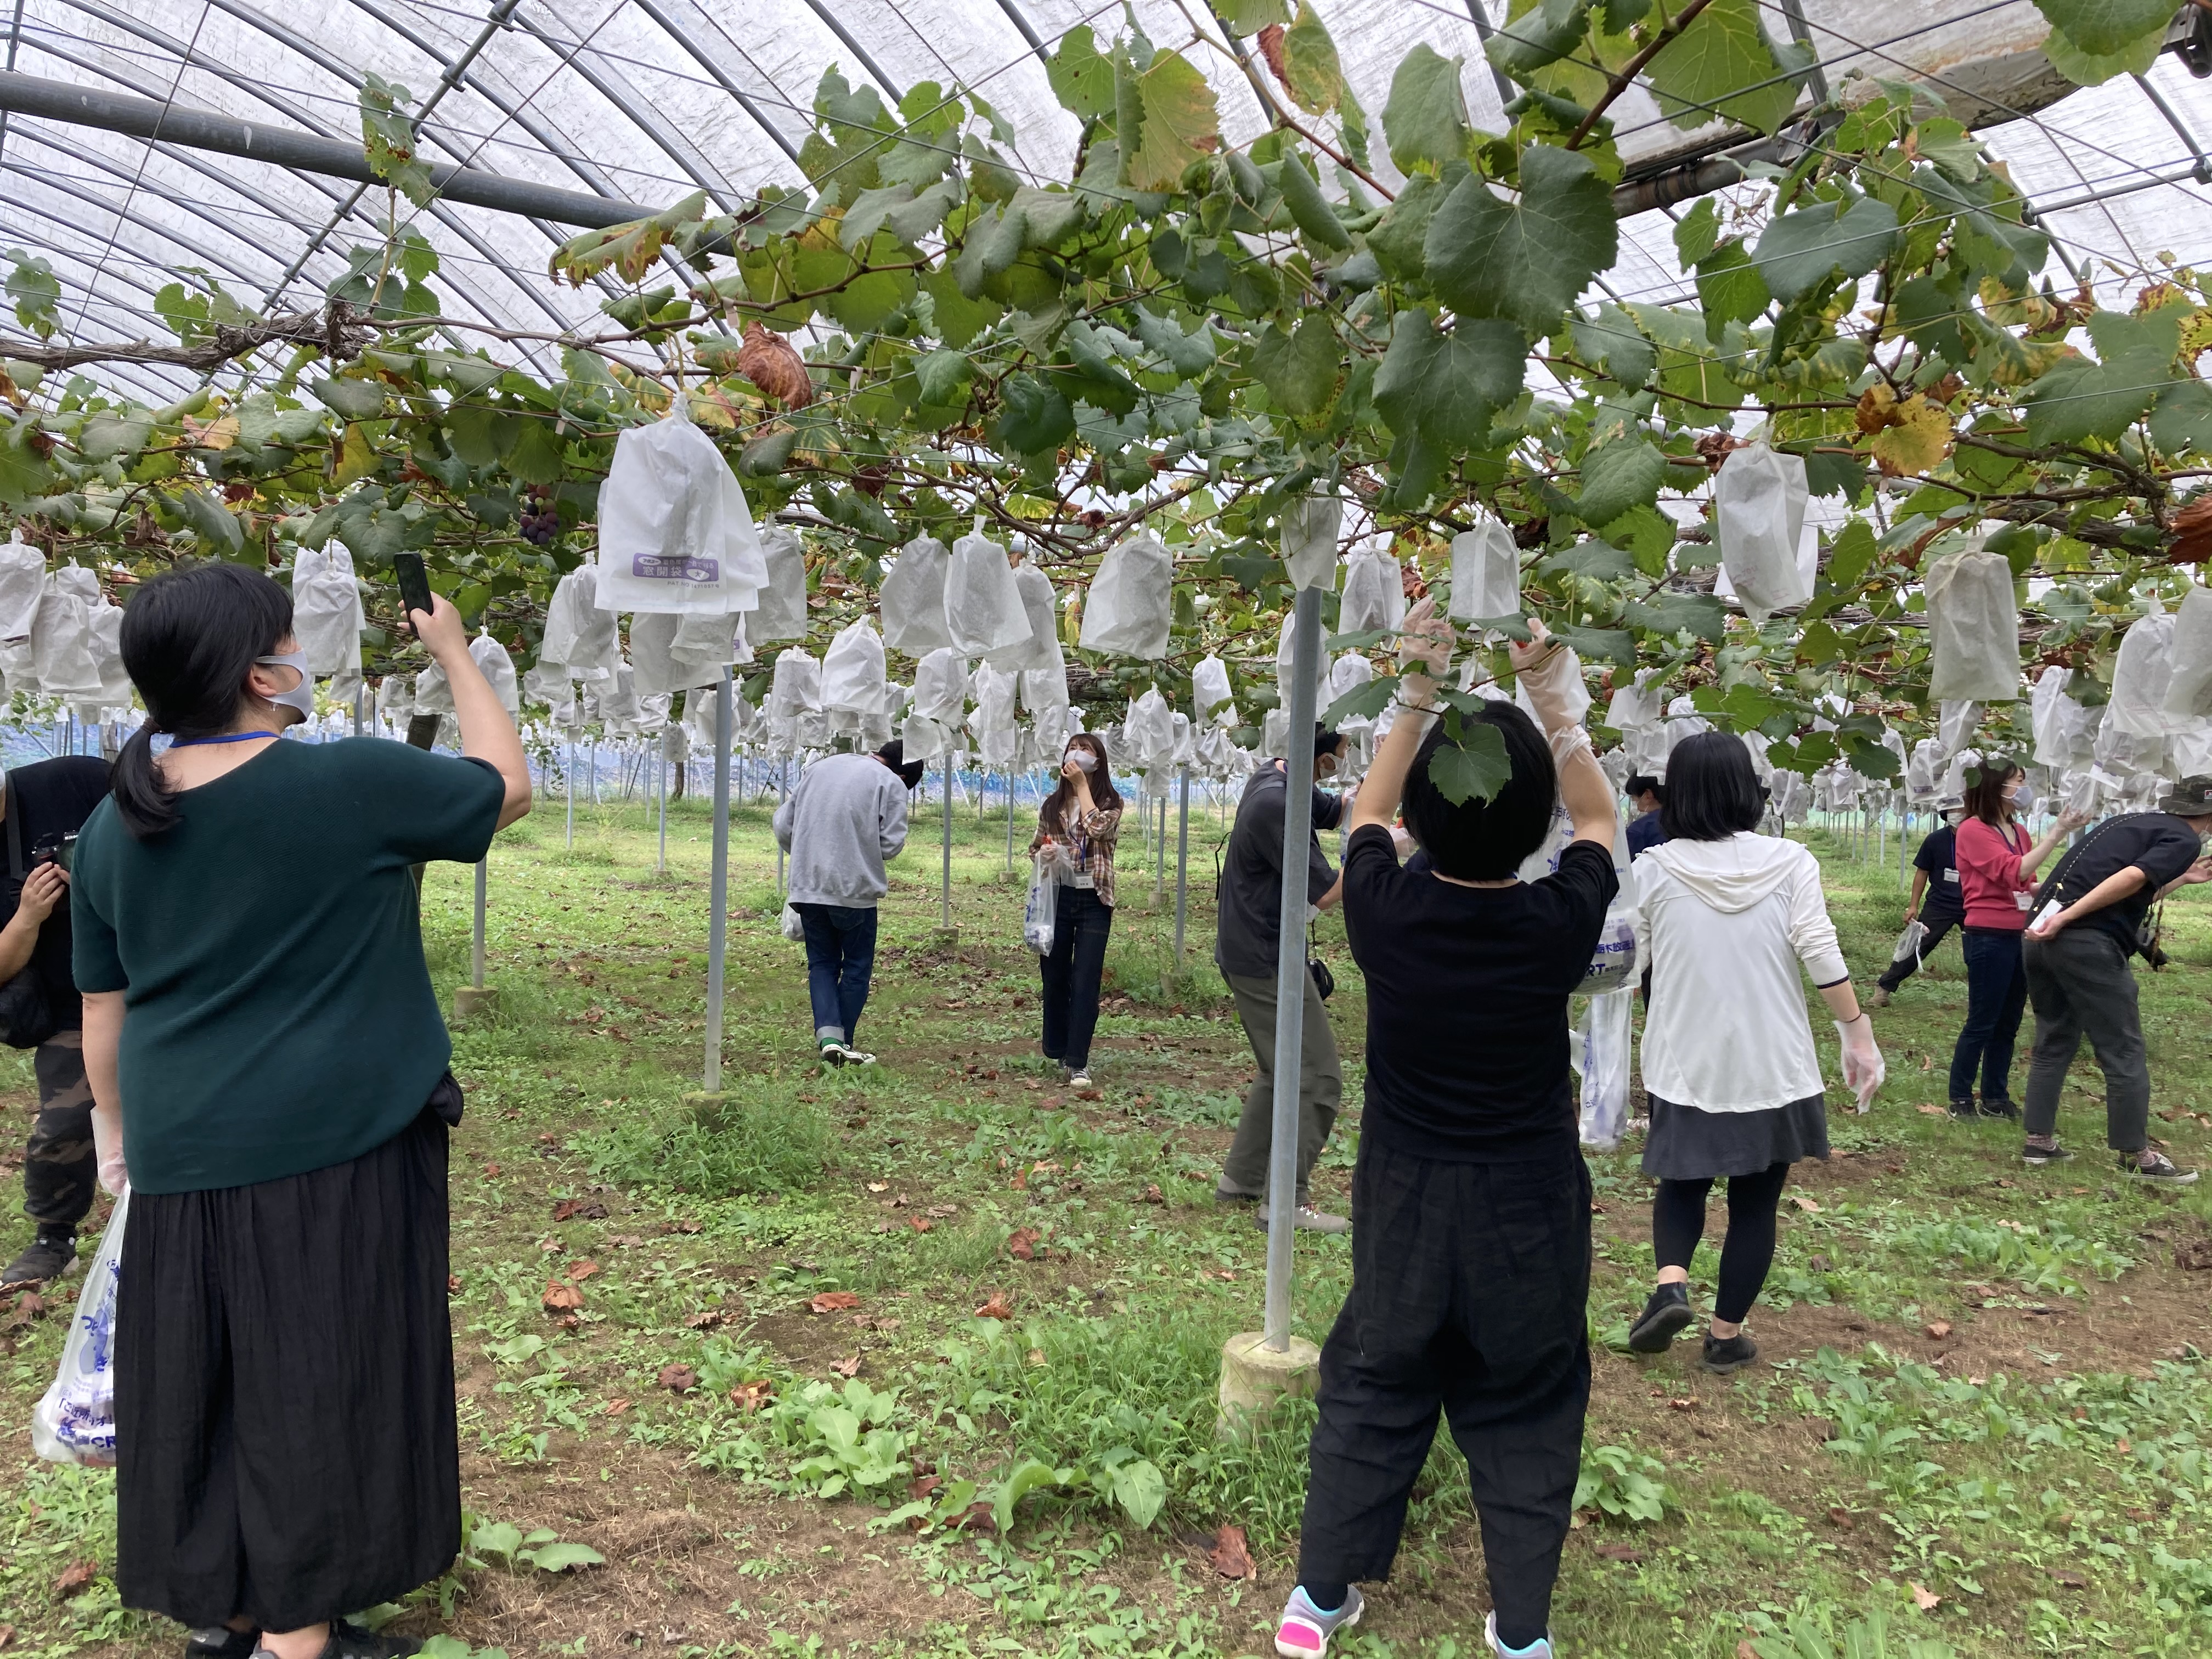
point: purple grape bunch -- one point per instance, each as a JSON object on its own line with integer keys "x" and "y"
{"x": 540, "y": 522}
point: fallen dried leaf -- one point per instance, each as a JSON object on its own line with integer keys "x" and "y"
{"x": 2194, "y": 1256}
{"x": 1745, "y": 1650}
{"x": 1923, "y": 1598}
{"x": 580, "y": 1271}
{"x": 680, "y": 1227}
{"x": 1938, "y": 1328}
{"x": 707, "y": 1320}
{"x": 678, "y": 1379}
{"x": 1229, "y": 1556}
{"x": 750, "y": 1397}
{"x": 1619, "y": 1553}
{"x": 616, "y": 1407}
{"x": 1809, "y": 1205}
{"x": 7, "y": 1634}
{"x": 1023, "y": 1245}
{"x": 847, "y": 1367}
{"x": 1839, "y": 1517}
{"x": 922, "y": 1485}
{"x": 1932, "y": 1111}
{"x": 580, "y": 1209}
{"x": 879, "y": 1186}
{"x": 833, "y": 1302}
{"x": 453, "y": 1283}
{"x": 976, "y": 1517}
{"x": 1153, "y": 1195}
{"x": 942, "y": 1211}
{"x": 996, "y": 1308}
{"x": 75, "y": 1577}
{"x": 2070, "y": 1580}
{"x": 491, "y": 1172}
{"x": 562, "y": 1298}
{"x": 1687, "y": 1404}
{"x": 2123, "y": 1447}
{"x": 1036, "y": 1357}
{"x": 919, "y": 1224}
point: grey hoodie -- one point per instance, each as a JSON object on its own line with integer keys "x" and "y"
{"x": 846, "y": 818}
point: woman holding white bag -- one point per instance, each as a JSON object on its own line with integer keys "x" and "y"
{"x": 1079, "y": 827}
{"x": 1725, "y": 916}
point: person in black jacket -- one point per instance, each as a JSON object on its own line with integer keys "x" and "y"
{"x": 1937, "y": 904}
{"x": 41, "y": 809}
{"x": 1247, "y": 928}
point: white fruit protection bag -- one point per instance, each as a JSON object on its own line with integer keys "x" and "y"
{"x": 912, "y": 598}
{"x": 1973, "y": 628}
{"x": 1127, "y": 611}
{"x": 675, "y": 534}
{"x": 1758, "y": 517}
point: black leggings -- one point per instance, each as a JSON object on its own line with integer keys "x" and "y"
{"x": 1678, "y": 1222}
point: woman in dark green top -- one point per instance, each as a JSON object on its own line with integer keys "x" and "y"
{"x": 261, "y": 1031}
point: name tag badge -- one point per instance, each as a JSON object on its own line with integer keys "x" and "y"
{"x": 2026, "y": 901}
{"x": 1950, "y": 875}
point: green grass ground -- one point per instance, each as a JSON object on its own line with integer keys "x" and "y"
{"x": 1985, "y": 1424}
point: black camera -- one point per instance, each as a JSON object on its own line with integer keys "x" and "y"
{"x": 54, "y": 849}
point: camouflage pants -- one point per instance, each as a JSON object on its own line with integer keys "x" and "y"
{"x": 60, "y": 1174}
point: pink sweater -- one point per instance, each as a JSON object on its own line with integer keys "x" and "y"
{"x": 1989, "y": 874}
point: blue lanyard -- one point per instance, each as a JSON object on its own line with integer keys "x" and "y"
{"x": 227, "y": 736}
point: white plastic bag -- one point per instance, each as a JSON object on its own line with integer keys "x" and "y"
{"x": 1041, "y": 917}
{"x": 983, "y": 608}
{"x": 780, "y": 614}
{"x": 1758, "y": 518}
{"x": 115, "y": 687}
{"x": 675, "y": 534}
{"x": 499, "y": 669}
{"x": 1347, "y": 674}
{"x": 1039, "y": 651}
{"x": 1910, "y": 941}
{"x": 1486, "y": 572}
{"x": 2143, "y": 677}
{"x": 74, "y": 1420}
{"x": 994, "y": 701}
{"x": 1127, "y": 609}
{"x": 63, "y": 648}
{"x": 1148, "y": 732}
{"x": 327, "y": 617}
{"x": 580, "y": 631}
{"x": 912, "y": 598}
{"x": 1210, "y": 694}
{"x": 1604, "y": 1069}
{"x": 793, "y": 926}
{"x": 22, "y": 580}
{"x": 1310, "y": 526}
{"x": 2049, "y": 707}
{"x": 2189, "y": 690}
{"x": 1638, "y": 705}
{"x": 1973, "y": 627}
{"x": 853, "y": 672}
{"x": 795, "y": 688}
{"x": 1374, "y": 592}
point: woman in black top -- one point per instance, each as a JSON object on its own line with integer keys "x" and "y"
{"x": 1471, "y": 1245}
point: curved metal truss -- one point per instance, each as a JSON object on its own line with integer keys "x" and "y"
{"x": 646, "y": 101}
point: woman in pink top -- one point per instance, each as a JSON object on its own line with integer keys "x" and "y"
{"x": 1996, "y": 882}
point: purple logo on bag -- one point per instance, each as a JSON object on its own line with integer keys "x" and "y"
{"x": 675, "y": 567}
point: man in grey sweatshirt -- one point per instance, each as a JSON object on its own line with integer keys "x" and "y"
{"x": 845, "y": 818}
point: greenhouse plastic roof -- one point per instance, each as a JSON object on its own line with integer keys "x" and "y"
{"x": 647, "y": 101}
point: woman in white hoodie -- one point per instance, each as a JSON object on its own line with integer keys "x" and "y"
{"x": 1724, "y": 917}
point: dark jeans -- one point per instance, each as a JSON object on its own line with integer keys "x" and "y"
{"x": 1468, "y": 1287}
{"x": 1678, "y": 1222}
{"x": 2081, "y": 983}
{"x": 1320, "y": 1087}
{"x": 840, "y": 954}
{"x": 60, "y": 1174}
{"x": 1071, "y": 970}
{"x": 1996, "y": 995}
{"x": 1904, "y": 968}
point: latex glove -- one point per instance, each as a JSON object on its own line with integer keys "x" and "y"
{"x": 1425, "y": 642}
{"x": 1548, "y": 672}
{"x": 107, "y": 1148}
{"x": 1863, "y": 1070}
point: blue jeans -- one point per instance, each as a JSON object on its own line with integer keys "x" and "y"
{"x": 1996, "y": 993}
{"x": 840, "y": 954}
{"x": 1071, "y": 970}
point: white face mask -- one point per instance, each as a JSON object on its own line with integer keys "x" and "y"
{"x": 1084, "y": 759}
{"x": 300, "y": 697}
{"x": 2022, "y": 799}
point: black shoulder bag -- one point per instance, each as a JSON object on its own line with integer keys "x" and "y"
{"x": 26, "y": 1012}
{"x": 2147, "y": 930}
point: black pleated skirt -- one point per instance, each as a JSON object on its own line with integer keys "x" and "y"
{"x": 284, "y": 1392}
{"x": 1686, "y": 1144}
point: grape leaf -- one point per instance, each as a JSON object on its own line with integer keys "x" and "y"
{"x": 1541, "y": 35}
{"x": 1177, "y": 122}
{"x": 1531, "y": 258}
{"x": 1361, "y": 703}
{"x": 1311, "y": 69}
{"x": 1241, "y": 17}
{"x": 1443, "y": 388}
{"x": 1310, "y": 209}
{"x": 1474, "y": 769}
{"x": 1425, "y": 119}
{"x": 1722, "y": 66}
{"x": 1801, "y": 250}
{"x": 1300, "y": 370}
{"x": 2105, "y": 26}
{"x": 1081, "y": 77}
{"x": 1616, "y": 476}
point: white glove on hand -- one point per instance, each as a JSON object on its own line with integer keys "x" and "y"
{"x": 1552, "y": 682}
{"x": 1863, "y": 1070}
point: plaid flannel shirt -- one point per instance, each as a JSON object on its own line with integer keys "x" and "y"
{"x": 1097, "y": 832}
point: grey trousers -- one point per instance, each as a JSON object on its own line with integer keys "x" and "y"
{"x": 2079, "y": 983}
{"x": 1320, "y": 1087}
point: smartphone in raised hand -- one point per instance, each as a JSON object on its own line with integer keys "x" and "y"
{"x": 414, "y": 584}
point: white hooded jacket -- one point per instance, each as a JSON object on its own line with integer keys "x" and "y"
{"x": 1724, "y": 925}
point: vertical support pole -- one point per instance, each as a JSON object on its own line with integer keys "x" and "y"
{"x": 569, "y": 768}
{"x": 476, "y": 943}
{"x": 1290, "y": 966}
{"x": 661, "y": 782}
{"x": 949, "y": 762}
{"x": 783, "y": 779}
{"x": 1160, "y": 856}
{"x": 718, "y": 899}
{"x": 1010, "y": 820}
{"x": 359, "y": 691}
{"x": 1182, "y": 856}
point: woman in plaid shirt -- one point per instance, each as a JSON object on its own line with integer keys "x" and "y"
{"x": 1082, "y": 820}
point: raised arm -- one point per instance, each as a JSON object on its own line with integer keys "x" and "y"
{"x": 2067, "y": 824}
{"x": 1546, "y": 671}
{"x": 488, "y": 733}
